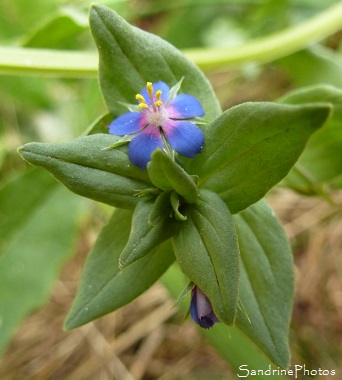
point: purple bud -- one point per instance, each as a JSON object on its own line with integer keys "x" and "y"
{"x": 201, "y": 310}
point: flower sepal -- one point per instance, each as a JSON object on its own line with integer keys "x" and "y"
{"x": 176, "y": 206}
{"x": 174, "y": 91}
{"x": 130, "y": 107}
{"x": 124, "y": 140}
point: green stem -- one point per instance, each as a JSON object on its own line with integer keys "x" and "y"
{"x": 26, "y": 61}
{"x": 317, "y": 187}
{"x": 275, "y": 46}
{"x": 60, "y": 63}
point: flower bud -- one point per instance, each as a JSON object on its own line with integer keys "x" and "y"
{"x": 201, "y": 310}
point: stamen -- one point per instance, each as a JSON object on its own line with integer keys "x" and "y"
{"x": 159, "y": 102}
{"x": 149, "y": 88}
{"x": 142, "y": 106}
{"x": 140, "y": 98}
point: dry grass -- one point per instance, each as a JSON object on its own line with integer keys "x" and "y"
{"x": 145, "y": 340}
{"x": 315, "y": 230}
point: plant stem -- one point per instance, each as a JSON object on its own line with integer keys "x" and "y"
{"x": 275, "y": 46}
{"x": 60, "y": 63}
{"x": 78, "y": 64}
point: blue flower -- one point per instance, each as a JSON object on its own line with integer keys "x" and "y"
{"x": 162, "y": 119}
{"x": 201, "y": 310}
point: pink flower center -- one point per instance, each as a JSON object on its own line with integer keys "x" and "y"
{"x": 157, "y": 117}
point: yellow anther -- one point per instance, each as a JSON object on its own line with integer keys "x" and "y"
{"x": 159, "y": 103}
{"x": 149, "y": 88}
{"x": 158, "y": 94}
{"x": 140, "y": 98}
{"x": 142, "y": 106}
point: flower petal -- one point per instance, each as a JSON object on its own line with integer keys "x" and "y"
{"x": 213, "y": 317}
{"x": 184, "y": 137}
{"x": 128, "y": 123}
{"x": 204, "y": 307}
{"x": 185, "y": 106}
{"x": 201, "y": 310}
{"x": 160, "y": 85}
{"x": 193, "y": 306}
{"x": 206, "y": 322}
{"x": 141, "y": 146}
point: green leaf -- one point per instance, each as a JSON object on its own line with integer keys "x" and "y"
{"x": 87, "y": 168}
{"x": 144, "y": 236}
{"x": 321, "y": 162}
{"x": 251, "y": 147}
{"x": 266, "y": 282}
{"x": 142, "y": 57}
{"x": 37, "y": 248}
{"x": 104, "y": 287}
{"x": 321, "y": 93}
{"x": 207, "y": 251}
{"x": 232, "y": 344}
{"x": 167, "y": 175}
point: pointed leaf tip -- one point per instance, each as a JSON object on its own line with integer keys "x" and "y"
{"x": 103, "y": 287}
{"x": 273, "y": 135}
{"x": 143, "y": 57}
{"x": 86, "y": 169}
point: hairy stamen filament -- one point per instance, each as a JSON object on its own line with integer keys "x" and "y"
{"x": 149, "y": 88}
{"x": 156, "y": 102}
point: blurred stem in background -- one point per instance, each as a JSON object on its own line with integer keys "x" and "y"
{"x": 78, "y": 64}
